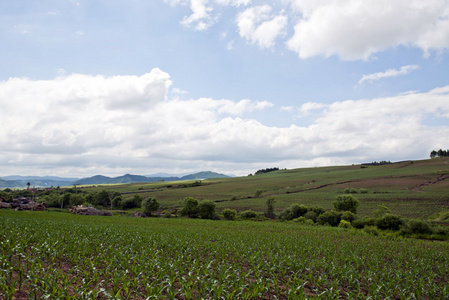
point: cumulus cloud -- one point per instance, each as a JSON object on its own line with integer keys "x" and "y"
{"x": 404, "y": 70}
{"x": 258, "y": 25}
{"x": 80, "y": 125}
{"x": 349, "y": 29}
{"x": 353, "y": 29}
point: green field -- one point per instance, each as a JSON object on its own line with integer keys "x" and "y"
{"x": 49, "y": 255}
{"x": 412, "y": 189}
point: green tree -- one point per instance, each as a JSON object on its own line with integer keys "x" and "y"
{"x": 381, "y": 211}
{"x": 229, "y": 214}
{"x": 332, "y": 218}
{"x": 190, "y": 207}
{"x": 346, "y": 203}
{"x": 100, "y": 198}
{"x": 390, "y": 221}
{"x": 270, "y": 208}
{"x": 77, "y": 199}
{"x": 206, "y": 209}
{"x": 150, "y": 205}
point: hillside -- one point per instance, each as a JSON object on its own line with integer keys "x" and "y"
{"x": 411, "y": 188}
{"x": 128, "y": 178}
{"x": 17, "y": 181}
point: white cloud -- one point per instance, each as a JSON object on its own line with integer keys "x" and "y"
{"x": 200, "y": 18}
{"x": 404, "y": 70}
{"x": 233, "y": 2}
{"x": 353, "y": 29}
{"x": 259, "y": 26}
{"x": 349, "y": 29}
{"x": 81, "y": 125}
{"x": 309, "y": 106}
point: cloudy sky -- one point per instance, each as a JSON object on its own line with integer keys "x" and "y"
{"x": 112, "y": 86}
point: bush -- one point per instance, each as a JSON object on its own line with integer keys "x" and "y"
{"x": 300, "y": 220}
{"x": 293, "y": 212}
{"x": 137, "y": 199}
{"x": 248, "y": 214}
{"x": 360, "y": 223}
{"x": 418, "y": 226}
{"x": 150, "y": 205}
{"x": 346, "y": 203}
{"x": 389, "y": 221}
{"x": 190, "y": 207}
{"x": 350, "y": 191}
{"x": 206, "y": 209}
{"x": 348, "y": 216}
{"x": 371, "y": 230}
{"x": 52, "y": 200}
{"x": 344, "y": 224}
{"x": 127, "y": 203}
{"x": 317, "y": 209}
{"x": 311, "y": 215}
{"x": 309, "y": 222}
{"x": 229, "y": 214}
{"x": 332, "y": 218}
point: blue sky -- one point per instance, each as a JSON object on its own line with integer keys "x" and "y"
{"x": 111, "y": 87}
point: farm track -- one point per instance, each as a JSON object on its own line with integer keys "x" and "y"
{"x": 437, "y": 180}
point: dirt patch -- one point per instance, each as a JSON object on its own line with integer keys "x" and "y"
{"x": 88, "y": 211}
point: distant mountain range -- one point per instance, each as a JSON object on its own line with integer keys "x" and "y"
{"x": 17, "y": 181}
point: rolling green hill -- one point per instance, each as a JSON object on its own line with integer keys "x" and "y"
{"x": 414, "y": 189}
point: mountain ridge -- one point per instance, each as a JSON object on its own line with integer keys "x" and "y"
{"x": 17, "y": 181}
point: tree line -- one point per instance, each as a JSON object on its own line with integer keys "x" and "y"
{"x": 439, "y": 153}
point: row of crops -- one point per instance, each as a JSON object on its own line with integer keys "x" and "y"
{"x": 47, "y": 255}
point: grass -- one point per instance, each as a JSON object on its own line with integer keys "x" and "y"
{"x": 57, "y": 255}
{"x": 414, "y": 189}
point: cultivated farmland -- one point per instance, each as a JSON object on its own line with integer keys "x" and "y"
{"x": 46, "y": 255}
{"x": 412, "y": 189}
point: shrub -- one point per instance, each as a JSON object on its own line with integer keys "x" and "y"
{"x": 257, "y": 193}
{"x": 418, "y": 226}
{"x": 350, "y": 191}
{"x": 329, "y": 217}
{"x": 301, "y": 220}
{"x": 348, "y": 216}
{"x": 344, "y": 224}
{"x": 52, "y": 200}
{"x": 248, "y": 214}
{"x": 206, "y": 209}
{"x": 137, "y": 199}
{"x": 389, "y": 221}
{"x": 229, "y": 214}
{"x": 381, "y": 210}
{"x": 441, "y": 230}
{"x": 360, "y": 223}
{"x": 346, "y": 203}
{"x": 317, "y": 209}
{"x": 363, "y": 191}
{"x": 150, "y": 205}
{"x": 190, "y": 207}
{"x": 298, "y": 210}
{"x": 371, "y": 230}
{"x": 309, "y": 222}
{"x": 127, "y": 203}
{"x": 293, "y": 212}
{"x": 311, "y": 215}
